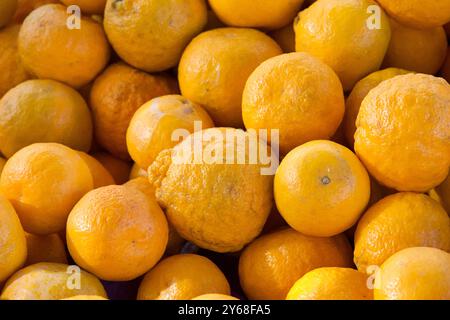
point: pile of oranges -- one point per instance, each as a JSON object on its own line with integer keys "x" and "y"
{"x": 349, "y": 100}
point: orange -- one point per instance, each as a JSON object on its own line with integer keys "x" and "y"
{"x": 414, "y": 274}
{"x": 114, "y": 98}
{"x": 7, "y": 10}
{"x": 397, "y": 222}
{"x": 419, "y": 50}
{"x": 13, "y": 71}
{"x": 51, "y": 50}
{"x": 101, "y": 177}
{"x": 43, "y": 182}
{"x": 338, "y": 33}
{"x": 443, "y": 191}
{"x": 217, "y": 204}
{"x": 88, "y": 6}
{"x": 214, "y": 296}
{"x": 296, "y": 94}
{"x": 285, "y": 37}
{"x": 13, "y": 246}
{"x": 49, "y": 248}
{"x": 85, "y": 298}
{"x": 119, "y": 169}
{"x": 2, "y": 164}
{"x": 137, "y": 172}
{"x": 357, "y": 95}
{"x": 215, "y": 66}
{"x": 403, "y": 131}
{"x": 271, "y": 265}
{"x": 321, "y": 188}
{"x": 51, "y": 281}
{"x": 43, "y": 111}
{"x": 183, "y": 277}
{"x": 154, "y": 126}
{"x": 116, "y": 233}
{"x": 418, "y": 13}
{"x": 24, "y": 7}
{"x": 151, "y": 35}
{"x": 331, "y": 284}
{"x": 256, "y": 14}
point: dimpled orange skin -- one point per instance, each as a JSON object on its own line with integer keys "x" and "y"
{"x": 13, "y": 71}
{"x": 266, "y": 14}
{"x": 183, "y": 277}
{"x": 88, "y": 6}
{"x": 331, "y": 284}
{"x": 217, "y": 206}
{"x": 116, "y": 233}
{"x": 49, "y": 248}
{"x": 400, "y": 221}
{"x": 43, "y": 111}
{"x": 43, "y": 182}
{"x": 415, "y": 49}
{"x": 359, "y": 92}
{"x": 418, "y": 13}
{"x": 215, "y": 66}
{"x": 24, "y": 7}
{"x": 100, "y": 176}
{"x": 297, "y": 94}
{"x": 214, "y": 296}
{"x": 403, "y": 132}
{"x": 7, "y": 10}
{"x": 414, "y": 274}
{"x": 114, "y": 98}
{"x": 152, "y": 127}
{"x": 321, "y": 188}
{"x": 49, "y": 281}
{"x": 336, "y": 31}
{"x": 271, "y": 265}
{"x": 118, "y": 168}
{"x": 50, "y": 50}
{"x": 151, "y": 35}
{"x": 13, "y": 246}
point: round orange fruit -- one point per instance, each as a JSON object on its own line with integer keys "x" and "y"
{"x": 88, "y": 6}
{"x": 118, "y": 168}
{"x": 100, "y": 176}
{"x": 49, "y": 248}
{"x": 7, "y": 10}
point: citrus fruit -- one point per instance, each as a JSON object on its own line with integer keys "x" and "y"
{"x": 414, "y": 274}
{"x": 183, "y": 277}
{"x": 137, "y": 172}
{"x": 400, "y": 221}
{"x": 256, "y": 14}
{"x": 51, "y": 281}
{"x": 403, "y": 132}
{"x": 2, "y": 164}
{"x": 218, "y": 204}
{"x": 24, "y": 7}
{"x": 285, "y": 37}
{"x": 338, "y": 33}
{"x": 13, "y": 246}
{"x": 51, "y": 50}
{"x": 214, "y": 296}
{"x": 114, "y": 98}
{"x": 116, "y": 233}
{"x": 7, "y": 10}
{"x": 151, "y": 35}
{"x": 296, "y": 94}
{"x": 331, "y": 284}
{"x": 215, "y": 66}
{"x": 443, "y": 190}
{"x": 154, "y": 126}
{"x": 88, "y": 6}
{"x": 118, "y": 168}
{"x": 321, "y": 188}
{"x": 100, "y": 176}
{"x": 49, "y": 248}
{"x": 43, "y": 182}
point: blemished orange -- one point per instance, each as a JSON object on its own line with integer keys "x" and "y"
{"x": 443, "y": 191}
{"x": 271, "y": 265}
{"x": 154, "y": 126}
{"x": 296, "y": 94}
{"x": 403, "y": 131}
{"x": 100, "y": 176}
{"x": 418, "y": 13}
{"x": 359, "y": 92}
{"x": 118, "y": 168}
{"x": 151, "y": 35}
{"x": 114, "y": 98}
{"x": 88, "y": 6}
{"x": 420, "y": 273}
{"x": 222, "y": 217}
{"x": 116, "y": 233}
{"x": 13, "y": 71}
{"x": 321, "y": 188}
{"x": 51, "y": 281}
{"x": 419, "y": 50}
{"x": 340, "y": 33}
{"x": 266, "y": 14}
{"x": 43, "y": 182}
{"x": 7, "y": 10}
{"x": 43, "y": 111}
{"x": 183, "y": 277}
{"x": 13, "y": 246}
{"x": 85, "y": 298}
{"x": 214, "y": 296}
{"x": 400, "y": 221}
{"x": 51, "y": 50}
{"x": 331, "y": 284}
{"x": 285, "y": 37}
{"x": 215, "y": 66}
{"x": 49, "y": 248}
{"x": 24, "y": 7}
